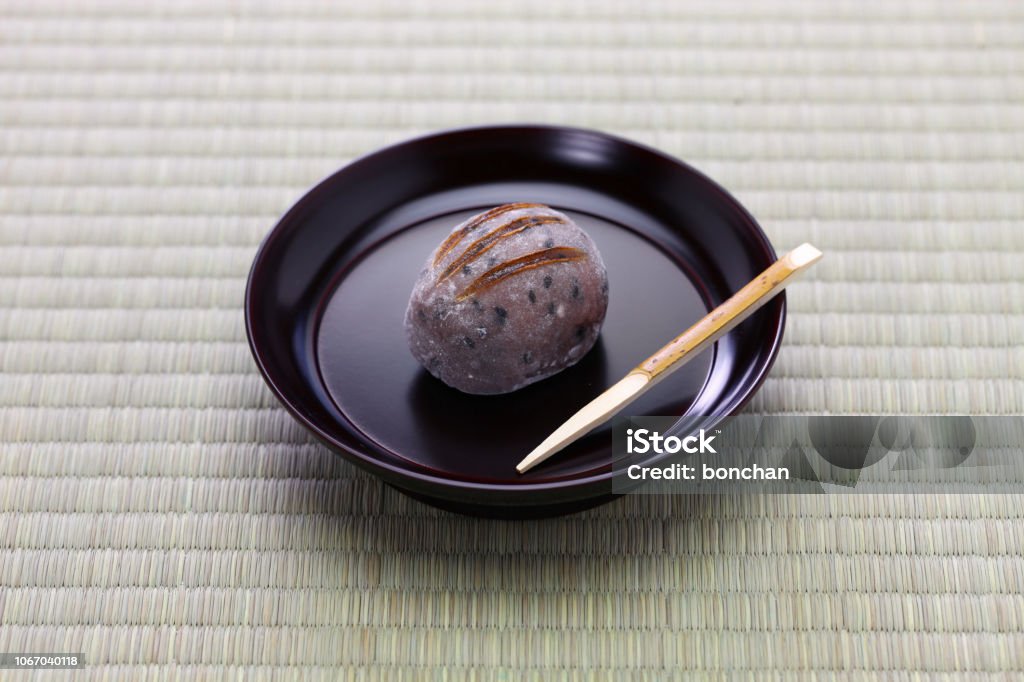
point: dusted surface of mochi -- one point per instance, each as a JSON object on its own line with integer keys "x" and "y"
{"x": 512, "y": 296}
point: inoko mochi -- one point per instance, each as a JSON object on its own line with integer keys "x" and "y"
{"x": 512, "y": 296}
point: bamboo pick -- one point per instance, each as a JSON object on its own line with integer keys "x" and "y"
{"x": 676, "y": 352}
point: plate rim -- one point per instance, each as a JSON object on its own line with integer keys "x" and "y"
{"x": 369, "y": 460}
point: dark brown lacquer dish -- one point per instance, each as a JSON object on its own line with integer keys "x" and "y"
{"x": 328, "y": 290}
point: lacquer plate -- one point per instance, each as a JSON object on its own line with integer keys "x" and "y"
{"x": 327, "y": 293}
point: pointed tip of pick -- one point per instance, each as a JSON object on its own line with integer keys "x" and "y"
{"x": 538, "y": 455}
{"x": 528, "y": 463}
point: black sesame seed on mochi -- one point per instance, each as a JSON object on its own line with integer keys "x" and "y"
{"x": 499, "y": 261}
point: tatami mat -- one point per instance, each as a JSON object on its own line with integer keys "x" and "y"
{"x": 160, "y": 513}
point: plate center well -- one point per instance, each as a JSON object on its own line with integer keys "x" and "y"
{"x": 367, "y": 369}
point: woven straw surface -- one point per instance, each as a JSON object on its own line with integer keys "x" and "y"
{"x": 159, "y": 511}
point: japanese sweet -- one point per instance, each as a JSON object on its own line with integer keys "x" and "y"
{"x": 513, "y": 295}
